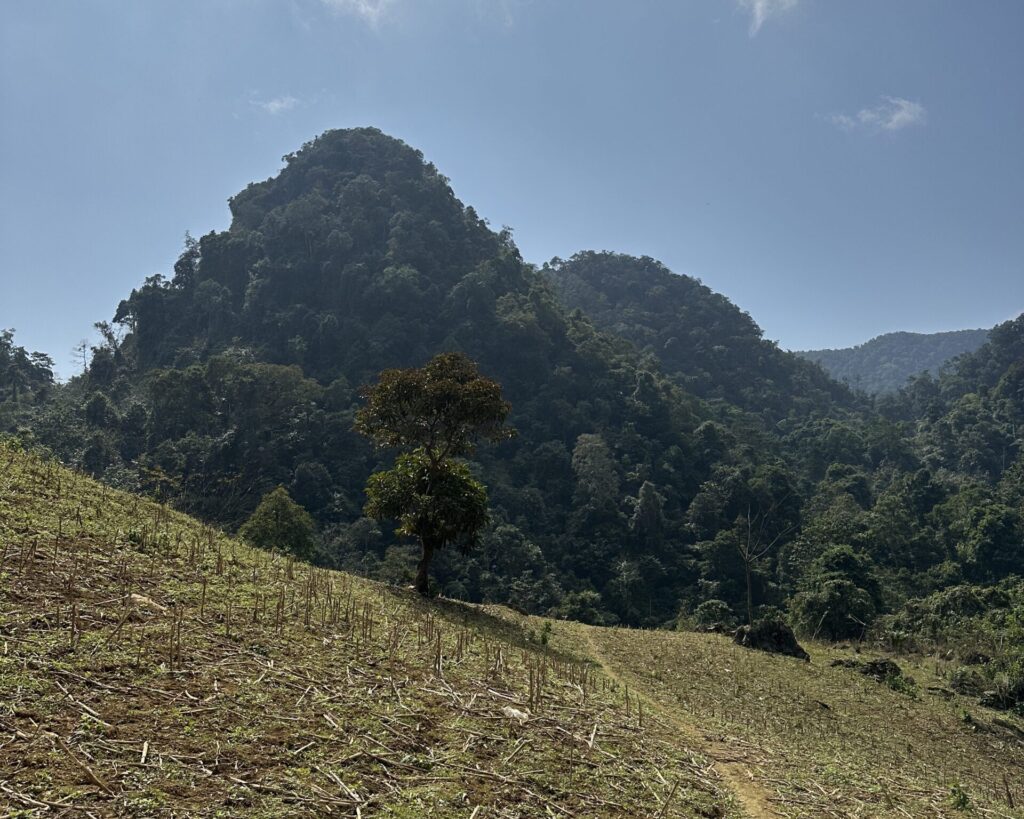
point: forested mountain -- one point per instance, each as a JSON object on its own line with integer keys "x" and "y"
{"x": 239, "y": 373}
{"x": 700, "y": 338}
{"x": 969, "y": 418}
{"x": 884, "y": 363}
{"x": 670, "y": 463}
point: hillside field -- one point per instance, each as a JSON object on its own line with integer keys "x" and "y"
{"x": 151, "y": 666}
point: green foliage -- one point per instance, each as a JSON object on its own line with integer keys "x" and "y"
{"x": 714, "y": 613}
{"x": 699, "y": 337}
{"x": 584, "y": 606}
{"x": 440, "y": 409}
{"x": 959, "y": 799}
{"x": 667, "y": 453}
{"x": 436, "y": 413}
{"x": 25, "y": 379}
{"x": 437, "y": 505}
{"x": 279, "y": 523}
{"x": 836, "y": 609}
{"x": 236, "y": 374}
{"x": 883, "y": 364}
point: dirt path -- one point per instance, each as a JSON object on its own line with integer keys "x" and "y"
{"x": 734, "y": 772}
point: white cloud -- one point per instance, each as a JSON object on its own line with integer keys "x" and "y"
{"x": 504, "y": 11}
{"x": 372, "y": 11}
{"x": 761, "y": 10}
{"x": 891, "y": 114}
{"x": 277, "y": 105}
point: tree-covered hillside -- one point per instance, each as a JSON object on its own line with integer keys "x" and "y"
{"x": 26, "y": 380}
{"x": 670, "y": 464}
{"x": 884, "y": 363}
{"x": 711, "y": 347}
{"x": 239, "y": 373}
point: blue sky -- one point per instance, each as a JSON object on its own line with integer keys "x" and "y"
{"x": 837, "y": 169}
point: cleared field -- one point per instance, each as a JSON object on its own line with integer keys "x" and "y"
{"x": 150, "y": 666}
{"x": 809, "y": 739}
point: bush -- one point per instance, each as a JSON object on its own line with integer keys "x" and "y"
{"x": 837, "y": 610}
{"x": 712, "y": 613}
{"x": 584, "y": 607}
{"x": 771, "y": 634}
{"x": 280, "y": 523}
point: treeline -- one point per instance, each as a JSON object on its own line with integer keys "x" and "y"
{"x": 26, "y": 380}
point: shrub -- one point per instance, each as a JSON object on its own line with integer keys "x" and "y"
{"x": 280, "y": 523}
{"x": 714, "y": 613}
{"x": 837, "y": 610}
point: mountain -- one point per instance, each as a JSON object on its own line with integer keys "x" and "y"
{"x": 884, "y": 363}
{"x": 670, "y": 464}
{"x": 969, "y": 419}
{"x": 700, "y": 338}
{"x": 239, "y": 373}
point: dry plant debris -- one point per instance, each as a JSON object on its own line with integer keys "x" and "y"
{"x": 151, "y": 666}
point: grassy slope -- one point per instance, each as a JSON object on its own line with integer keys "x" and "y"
{"x": 807, "y": 739}
{"x": 235, "y": 684}
{"x": 289, "y": 691}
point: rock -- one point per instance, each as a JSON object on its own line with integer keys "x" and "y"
{"x": 881, "y": 670}
{"x": 144, "y": 602}
{"x": 773, "y": 636}
{"x": 966, "y": 681}
{"x": 516, "y": 714}
{"x": 997, "y": 700}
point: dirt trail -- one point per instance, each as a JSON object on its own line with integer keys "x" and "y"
{"x": 734, "y": 772}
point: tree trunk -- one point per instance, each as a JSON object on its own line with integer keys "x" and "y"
{"x": 422, "y": 581}
{"x": 750, "y": 594}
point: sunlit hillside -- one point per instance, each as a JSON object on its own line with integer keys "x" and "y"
{"x": 151, "y": 666}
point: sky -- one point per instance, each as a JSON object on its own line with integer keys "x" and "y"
{"x": 838, "y": 170}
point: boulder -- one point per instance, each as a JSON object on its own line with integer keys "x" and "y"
{"x": 771, "y": 635}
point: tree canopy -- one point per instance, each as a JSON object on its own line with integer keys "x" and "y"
{"x": 279, "y": 523}
{"x": 435, "y": 414}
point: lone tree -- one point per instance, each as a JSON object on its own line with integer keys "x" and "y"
{"x": 434, "y": 415}
{"x": 280, "y": 523}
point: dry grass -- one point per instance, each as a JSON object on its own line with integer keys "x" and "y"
{"x": 823, "y": 741}
{"x": 150, "y": 666}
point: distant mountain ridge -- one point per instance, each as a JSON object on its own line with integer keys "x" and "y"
{"x": 884, "y": 363}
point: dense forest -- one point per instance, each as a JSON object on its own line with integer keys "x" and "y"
{"x": 671, "y": 465}
{"x": 698, "y": 337}
{"x": 887, "y": 362}
{"x": 26, "y": 380}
